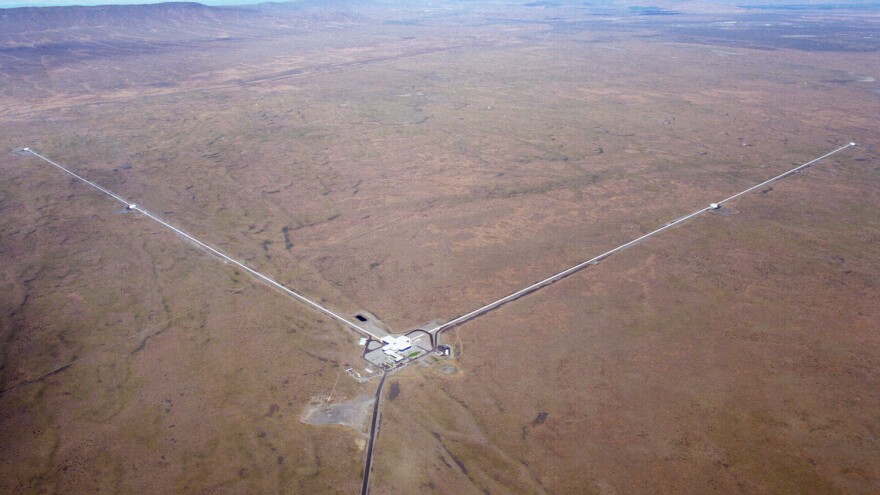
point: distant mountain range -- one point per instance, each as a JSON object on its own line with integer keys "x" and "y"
{"x": 170, "y": 21}
{"x": 139, "y": 17}
{"x": 40, "y": 23}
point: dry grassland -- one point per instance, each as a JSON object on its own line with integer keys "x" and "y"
{"x": 419, "y": 166}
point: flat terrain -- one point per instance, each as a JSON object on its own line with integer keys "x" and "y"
{"x": 419, "y": 162}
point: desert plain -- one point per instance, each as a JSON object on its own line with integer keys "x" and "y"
{"x": 418, "y": 161}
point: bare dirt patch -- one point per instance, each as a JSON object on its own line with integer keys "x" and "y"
{"x": 352, "y": 413}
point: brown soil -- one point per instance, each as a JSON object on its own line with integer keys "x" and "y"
{"x": 418, "y": 164}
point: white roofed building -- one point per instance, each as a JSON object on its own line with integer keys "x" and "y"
{"x": 396, "y": 344}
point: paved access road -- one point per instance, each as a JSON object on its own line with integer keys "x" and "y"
{"x": 374, "y": 423}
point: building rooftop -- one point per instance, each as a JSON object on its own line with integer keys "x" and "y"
{"x": 400, "y": 343}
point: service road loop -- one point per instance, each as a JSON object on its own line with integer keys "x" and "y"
{"x": 592, "y": 261}
{"x": 259, "y": 276}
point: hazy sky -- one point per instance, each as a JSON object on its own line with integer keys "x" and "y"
{"x": 46, "y": 3}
